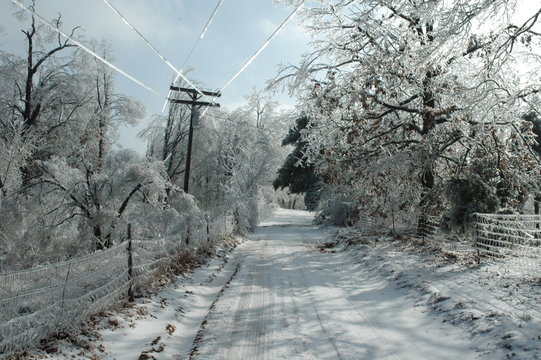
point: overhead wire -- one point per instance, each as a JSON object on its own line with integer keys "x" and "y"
{"x": 259, "y": 50}
{"x": 167, "y": 62}
{"x": 262, "y": 47}
{"x": 177, "y": 71}
{"x": 87, "y": 49}
{"x": 203, "y": 33}
{"x": 201, "y": 36}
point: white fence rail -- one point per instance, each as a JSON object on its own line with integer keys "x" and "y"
{"x": 37, "y": 303}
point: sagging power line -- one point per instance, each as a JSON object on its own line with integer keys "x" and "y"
{"x": 201, "y": 36}
{"x": 260, "y": 49}
{"x": 164, "y": 59}
{"x": 168, "y": 63}
{"x": 86, "y": 49}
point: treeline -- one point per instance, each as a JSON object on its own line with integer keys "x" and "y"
{"x": 65, "y": 187}
{"x": 420, "y": 107}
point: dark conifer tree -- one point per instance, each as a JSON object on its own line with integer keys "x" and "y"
{"x": 296, "y": 173}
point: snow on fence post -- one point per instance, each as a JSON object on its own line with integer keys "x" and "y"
{"x": 130, "y": 266}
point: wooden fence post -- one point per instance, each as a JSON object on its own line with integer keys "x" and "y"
{"x": 476, "y": 219}
{"x": 188, "y": 232}
{"x": 64, "y": 291}
{"x": 130, "y": 266}
{"x": 208, "y": 230}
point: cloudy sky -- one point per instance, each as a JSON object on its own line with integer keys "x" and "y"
{"x": 239, "y": 28}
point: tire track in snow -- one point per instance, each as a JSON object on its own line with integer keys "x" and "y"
{"x": 377, "y": 333}
{"x": 251, "y": 334}
{"x": 305, "y": 284}
{"x": 199, "y": 335}
{"x": 345, "y": 295}
{"x": 291, "y": 302}
{"x": 289, "y": 309}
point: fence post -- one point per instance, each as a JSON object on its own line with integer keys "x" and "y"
{"x": 61, "y": 317}
{"x": 476, "y": 219}
{"x": 208, "y": 230}
{"x": 130, "y": 266}
{"x": 188, "y": 232}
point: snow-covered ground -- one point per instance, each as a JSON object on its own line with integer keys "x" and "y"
{"x": 282, "y": 295}
{"x": 291, "y": 301}
{"x": 497, "y": 309}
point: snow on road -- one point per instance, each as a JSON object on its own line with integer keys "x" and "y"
{"x": 288, "y": 300}
{"x": 281, "y": 295}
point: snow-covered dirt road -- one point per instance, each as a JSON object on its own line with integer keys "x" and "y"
{"x": 289, "y": 300}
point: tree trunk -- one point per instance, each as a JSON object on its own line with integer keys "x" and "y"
{"x": 427, "y": 183}
{"x": 98, "y": 235}
{"x": 429, "y": 122}
{"x": 536, "y": 201}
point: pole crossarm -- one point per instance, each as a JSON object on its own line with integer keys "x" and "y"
{"x": 195, "y": 103}
{"x": 195, "y": 95}
{"x": 193, "y": 91}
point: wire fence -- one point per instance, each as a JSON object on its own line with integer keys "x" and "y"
{"x": 366, "y": 226}
{"x": 38, "y": 303}
{"x": 515, "y": 239}
{"x": 512, "y": 241}
{"x": 429, "y": 228}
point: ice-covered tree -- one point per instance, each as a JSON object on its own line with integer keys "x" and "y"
{"x": 231, "y": 172}
{"x": 62, "y": 192}
{"x": 296, "y": 173}
{"x": 402, "y": 95}
{"x": 167, "y": 139}
{"x": 93, "y": 182}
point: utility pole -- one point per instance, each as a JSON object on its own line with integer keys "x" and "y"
{"x": 194, "y": 106}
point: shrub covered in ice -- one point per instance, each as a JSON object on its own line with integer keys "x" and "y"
{"x": 468, "y": 195}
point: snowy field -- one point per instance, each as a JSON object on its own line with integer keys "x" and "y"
{"x": 282, "y": 295}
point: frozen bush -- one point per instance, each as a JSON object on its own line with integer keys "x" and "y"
{"x": 468, "y": 195}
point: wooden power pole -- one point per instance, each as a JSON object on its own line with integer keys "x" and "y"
{"x": 194, "y": 104}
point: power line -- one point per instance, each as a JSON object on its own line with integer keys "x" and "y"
{"x": 260, "y": 50}
{"x": 201, "y": 36}
{"x": 179, "y": 73}
{"x": 203, "y": 32}
{"x": 85, "y": 48}
{"x": 265, "y": 44}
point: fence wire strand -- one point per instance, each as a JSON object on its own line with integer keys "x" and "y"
{"x": 37, "y": 303}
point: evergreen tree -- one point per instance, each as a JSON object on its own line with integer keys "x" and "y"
{"x": 297, "y": 173}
